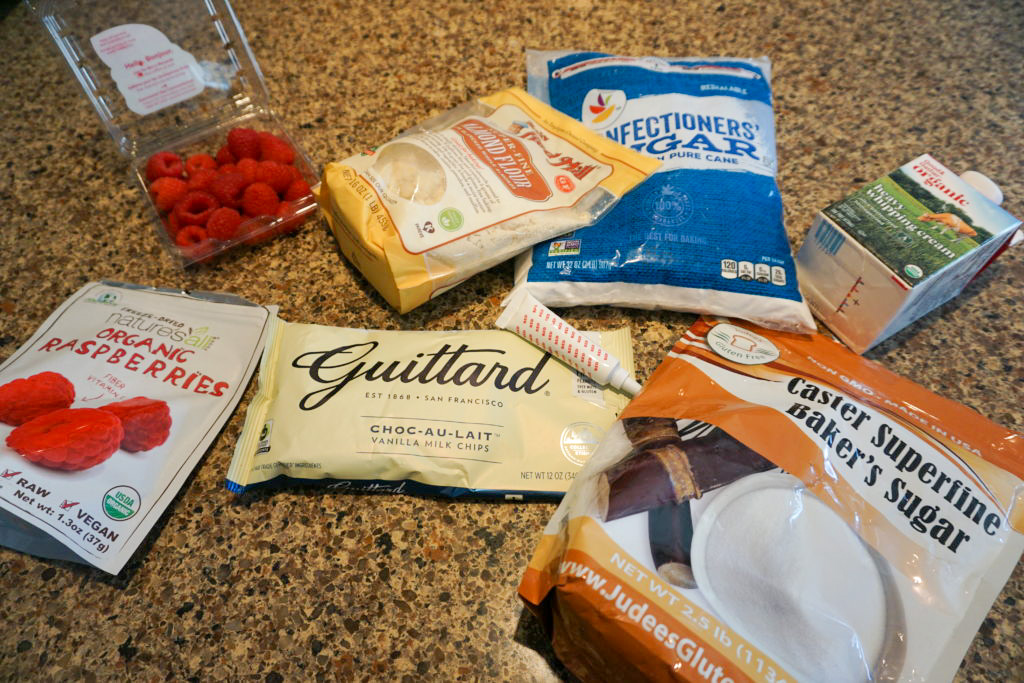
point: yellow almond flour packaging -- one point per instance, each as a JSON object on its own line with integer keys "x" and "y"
{"x": 469, "y": 189}
{"x": 481, "y": 414}
{"x": 772, "y": 507}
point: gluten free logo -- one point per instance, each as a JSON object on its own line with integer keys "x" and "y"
{"x": 263, "y": 446}
{"x": 741, "y": 346}
{"x": 121, "y": 503}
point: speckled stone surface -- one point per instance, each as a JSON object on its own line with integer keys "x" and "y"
{"x": 303, "y": 584}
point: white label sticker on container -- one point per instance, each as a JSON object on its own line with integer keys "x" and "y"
{"x": 150, "y": 71}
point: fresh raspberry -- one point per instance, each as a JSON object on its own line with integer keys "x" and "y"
{"x": 296, "y": 173}
{"x": 297, "y": 189}
{"x": 274, "y": 174}
{"x": 224, "y": 156}
{"x": 196, "y": 207}
{"x": 244, "y": 143}
{"x": 248, "y": 168}
{"x": 273, "y": 148}
{"x": 194, "y": 243}
{"x": 167, "y": 192}
{"x": 257, "y": 230}
{"x": 259, "y": 199}
{"x": 201, "y": 179}
{"x": 191, "y": 235}
{"x": 290, "y": 221}
{"x": 146, "y": 422}
{"x": 24, "y": 399}
{"x": 68, "y": 439}
{"x": 227, "y": 168}
{"x": 199, "y": 161}
{"x": 228, "y": 188}
{"x": 173, "y": 225}
{"x": 223, "y": 224}
{"x": 164, "y": 165}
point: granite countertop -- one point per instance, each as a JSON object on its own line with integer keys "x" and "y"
{"x": 304, "y": 584}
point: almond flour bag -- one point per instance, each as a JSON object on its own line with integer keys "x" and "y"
{"x": 773, "y": 507}
{"x": 477, "y": 413}
{"x": 108, "y": 407}
{"x": 470, "y": 189}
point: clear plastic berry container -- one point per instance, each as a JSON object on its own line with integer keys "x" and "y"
{"x": 176, "y": 76}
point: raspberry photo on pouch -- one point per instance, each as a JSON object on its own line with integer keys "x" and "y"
{"x": 146, "y": 422}
{"x": 68, "y": 439}
{"x": 27, "y": 398}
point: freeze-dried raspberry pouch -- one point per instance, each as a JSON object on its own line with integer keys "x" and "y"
{"x": 108, "y": 407}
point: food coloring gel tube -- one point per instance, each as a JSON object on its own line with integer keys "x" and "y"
{"x": 537, "y": 324}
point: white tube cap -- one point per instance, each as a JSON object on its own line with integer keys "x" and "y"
{"x": 631, "y": 386}
{"x": 983, "y": 184}
{"x": 620, "y": 379}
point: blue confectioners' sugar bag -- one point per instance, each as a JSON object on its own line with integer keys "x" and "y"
{"x": 705, "y": 233}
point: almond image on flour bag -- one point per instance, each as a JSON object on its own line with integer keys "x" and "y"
{"x": 773, "y": 507}
{"x": 469, "y": 189}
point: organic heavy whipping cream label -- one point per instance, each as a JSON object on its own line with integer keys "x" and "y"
{"x": 798, "y": 513}
{"x": 480, "y": 413}
{"x": 108, "y": 407}
{"x": 895, "y": 249}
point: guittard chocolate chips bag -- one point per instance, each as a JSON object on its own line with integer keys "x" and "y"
{"x": 479, "y": 413}
{"x": 773, "y": 507}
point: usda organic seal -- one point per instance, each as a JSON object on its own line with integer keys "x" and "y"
{"x": 740, "y": 345}
{"x": 121, "y": 503}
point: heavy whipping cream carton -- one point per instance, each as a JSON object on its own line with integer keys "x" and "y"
{"x": 878, "y": 260}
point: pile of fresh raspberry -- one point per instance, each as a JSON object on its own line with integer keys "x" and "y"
{"x": 249, "y": 192}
